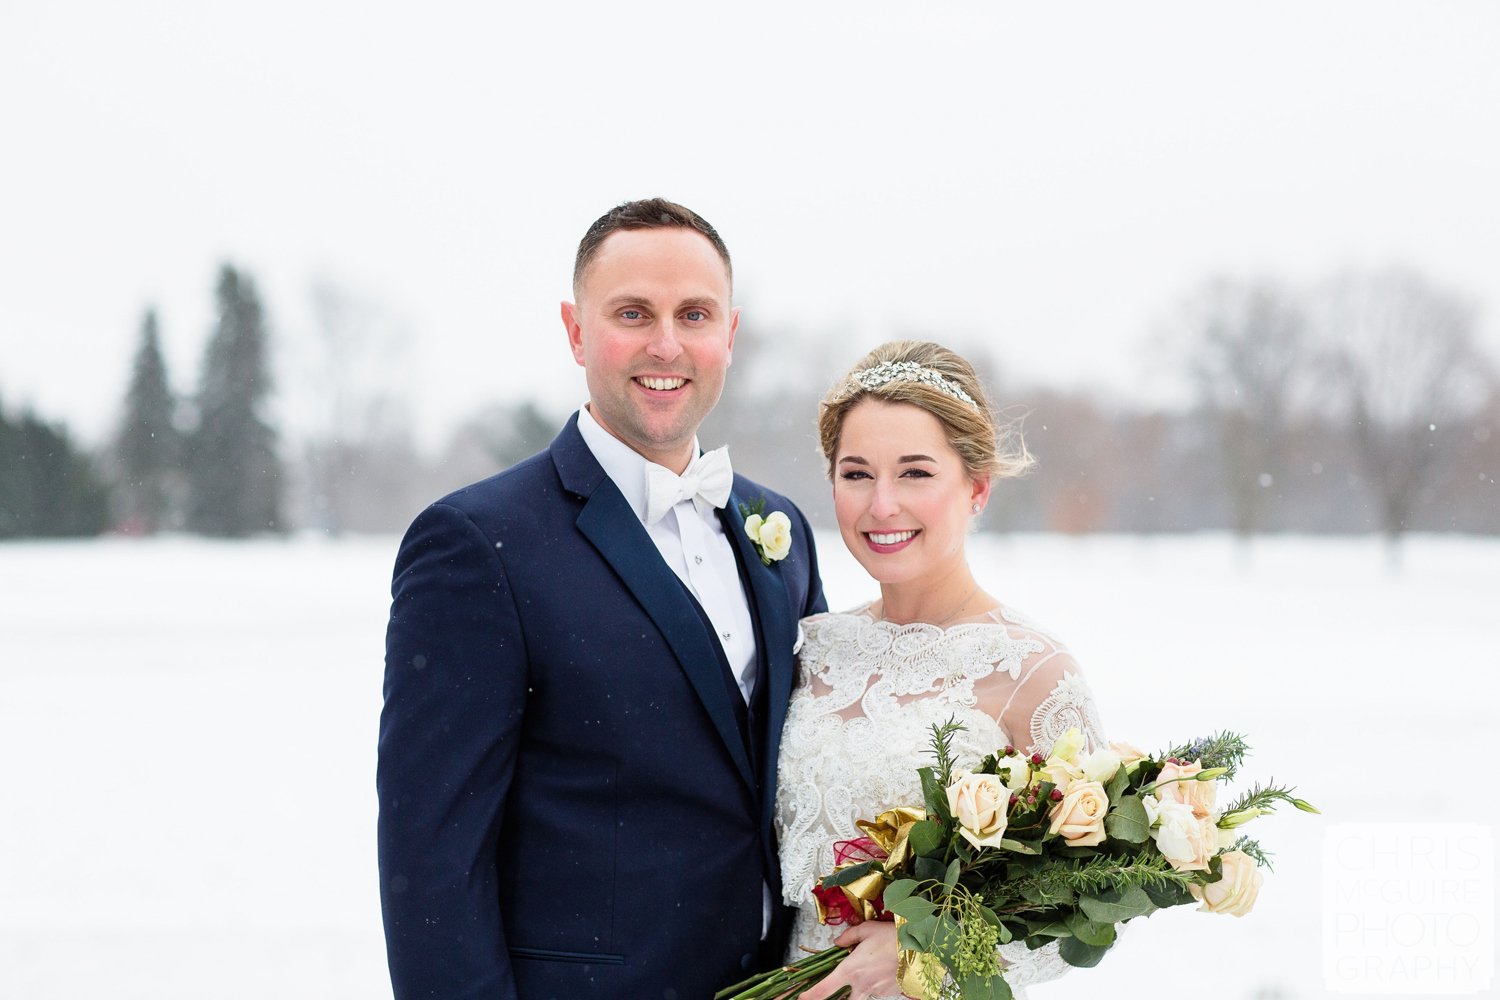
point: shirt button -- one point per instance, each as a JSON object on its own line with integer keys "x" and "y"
{"x": 724, "y": 634}
{"x": 698, "y": 560}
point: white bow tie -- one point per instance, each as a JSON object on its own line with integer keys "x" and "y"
{"x": 708, "y": 477}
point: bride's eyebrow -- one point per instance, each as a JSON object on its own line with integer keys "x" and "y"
{"x": 855, "y": 459}
{"x": 917, "y": 458}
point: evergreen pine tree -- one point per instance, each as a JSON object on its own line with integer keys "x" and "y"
{"x": 147, "y": 447}
{"x": 235, "y": 476}
{"x": 48, "y": 487}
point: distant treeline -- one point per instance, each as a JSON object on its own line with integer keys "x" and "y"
{"x": 1363, "y": 403}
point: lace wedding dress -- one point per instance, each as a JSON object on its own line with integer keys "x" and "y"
{"x": 858, "y": 727}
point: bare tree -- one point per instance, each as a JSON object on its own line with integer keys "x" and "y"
{"x": 353, "y": 365}
{"x": 1403, "y": 362}
{"x": 1247, "y": 355}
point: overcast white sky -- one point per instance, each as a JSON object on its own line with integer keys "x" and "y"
{"x": 1045, "y": 181}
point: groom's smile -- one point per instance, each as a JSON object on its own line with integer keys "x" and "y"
{"x": 653, "y": 328}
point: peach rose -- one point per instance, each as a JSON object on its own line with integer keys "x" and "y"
{"x": 1079, "y": 816}
{"x": 1185, "y": 834}
{"x": 979, "y": 802}
{"x": 1188, "y": 791}
{"x": 1236, "y": 891}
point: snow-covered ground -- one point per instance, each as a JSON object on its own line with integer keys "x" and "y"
{"x": 187, "y": 741}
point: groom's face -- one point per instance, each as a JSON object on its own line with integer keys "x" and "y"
{"x": 653, "y": 329}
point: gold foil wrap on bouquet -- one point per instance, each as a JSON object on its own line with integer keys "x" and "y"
{"x": 910, "y": 973}
{"x": 889, "y": 831}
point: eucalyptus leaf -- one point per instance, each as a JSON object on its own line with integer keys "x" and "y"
{"x": 1116, "y": 787}
{"x": 925, "y": 837}
{"x": 929, "y": 869}
{"x": 951, "y": 878}
{"x": 1019, "y": 847}
{"x": 1089, "y": 932}
{"x": 1165, "y": 894}
{"x": 920, "y": 933}
{"x": 913, "y": 908}
{"x": 899, "y": 890}
{"x": 980, "y": 988}
{"x": 846, "y": 875}
{"x": 1110, "y": 906}
{"x": 1080, "y": 955}
{"x": 1128, "y": 822}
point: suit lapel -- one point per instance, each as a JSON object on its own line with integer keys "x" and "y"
{"x": 612, "y": 527}
{"x": 776, "y": 633}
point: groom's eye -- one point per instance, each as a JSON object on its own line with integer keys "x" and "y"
{"x": 695, "y": 315}
{"x": 631, "y": 314}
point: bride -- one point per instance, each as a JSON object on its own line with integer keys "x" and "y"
{"x": 912, "y": 450}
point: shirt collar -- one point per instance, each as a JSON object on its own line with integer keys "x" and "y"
{"x": 625, "y": 466}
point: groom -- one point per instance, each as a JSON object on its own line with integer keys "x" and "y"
{"x": 587, "y": 667}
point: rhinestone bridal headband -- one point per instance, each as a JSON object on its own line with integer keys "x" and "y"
{"x": 910, "y": 371}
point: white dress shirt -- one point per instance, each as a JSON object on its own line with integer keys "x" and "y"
{"x": 692, "y": 541}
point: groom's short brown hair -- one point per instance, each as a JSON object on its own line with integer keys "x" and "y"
{"x": 647, "y": 213}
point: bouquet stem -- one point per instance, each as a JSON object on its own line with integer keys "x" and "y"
{"x": 789, "y": 982}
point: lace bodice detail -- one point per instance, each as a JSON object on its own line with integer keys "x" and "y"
{"x": 858, "y": 727}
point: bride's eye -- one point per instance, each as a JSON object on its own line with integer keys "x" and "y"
{"x": 917, "y": 474}
{"x": 852, "y": 474}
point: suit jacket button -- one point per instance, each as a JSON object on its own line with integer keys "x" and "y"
{"x": 745, "y": 962}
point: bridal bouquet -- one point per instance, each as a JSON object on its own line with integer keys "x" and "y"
{"x": 1033, "y": 849}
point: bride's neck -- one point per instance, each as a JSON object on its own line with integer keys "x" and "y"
{"x": 922, "y": 601}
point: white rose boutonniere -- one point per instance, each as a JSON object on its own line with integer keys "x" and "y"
{"x": 771, "y": 534}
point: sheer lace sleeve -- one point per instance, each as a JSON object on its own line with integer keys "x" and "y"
{"x": 1035, "y": 704}
{"x": 1045, "y": 696}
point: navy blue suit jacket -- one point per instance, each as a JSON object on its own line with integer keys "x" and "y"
{"x": 567, "y": 807}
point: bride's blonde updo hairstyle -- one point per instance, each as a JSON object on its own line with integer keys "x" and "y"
{"x": 936, "y": 379}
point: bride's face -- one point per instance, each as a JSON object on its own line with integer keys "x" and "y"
{"x": 901, "y": 493}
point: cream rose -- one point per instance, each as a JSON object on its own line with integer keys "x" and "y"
{"x": 1014, "y": 771}
{"x": 1188, "y": 791}
{"x": 1185, "y": 834}
{"x": 774, "y": 534}
{"x": 1079, "y": 816}
{"x": 1065, "y": 750}
{"x": 1100, "y": 765}
{"x": 979, "y": 802}
{"x": 1236, "y": 891}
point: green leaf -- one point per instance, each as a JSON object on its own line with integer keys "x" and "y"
{"x": 1019, "y": 847}
{"x": 980, "y": 988}
{"x": 920, "y": 933}
{"x": 914, "y": 908}
{"x": 1167, "y": 894}
{"x": 1089, "y": 932}
{"x": 1128, "y": 821}
{"x": 951, "y": 878}
{"x": 934, "y": 796}
{"x": 1051, "y": 928}
{"x": 1116, "y": 787}
{"x": 947, "y": 940}
{"x": 925, "y": 838}
{"x": 1110, "y": 906}
{"x": 1080, "y": 955}
{"x": 928, "y": 870}
{"x": 846, "y": 875}
{"x": 899, "y": 890}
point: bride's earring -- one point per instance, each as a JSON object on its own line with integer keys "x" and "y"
{"x": 974, "y": 508}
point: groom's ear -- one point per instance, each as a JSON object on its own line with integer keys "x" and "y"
{"x": 734, "y": 326}
{"x": 575, "y": 330}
